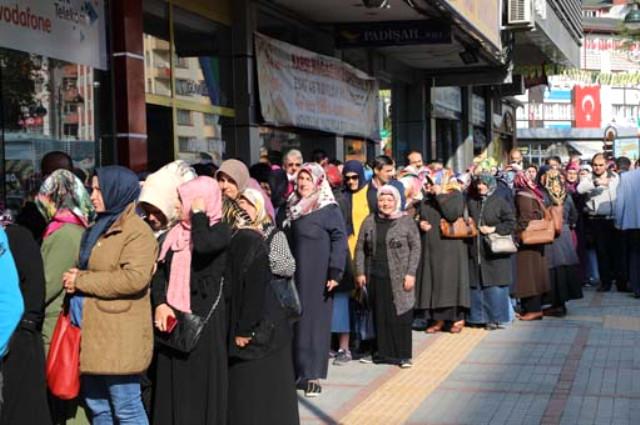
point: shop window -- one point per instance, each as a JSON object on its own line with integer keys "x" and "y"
{"x": 190, "y": 74}
{"x": 41, "y": 102}
{"x": 184, "y": 117}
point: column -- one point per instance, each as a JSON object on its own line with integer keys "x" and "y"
{"x": 128, "y": 84}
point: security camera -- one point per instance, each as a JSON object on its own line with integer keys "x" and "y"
{"x": 375, "y": 4}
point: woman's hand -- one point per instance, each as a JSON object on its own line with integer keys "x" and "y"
{"x": 69, "y": 280}
{"x": 486, "y": 230}
{"x": 331, "y": 284}
{"x": 197, "y": 205}
{"x": 361, "y": 281}
{"x": 163, "y": 312}
{"x": 409, "y": 283}
{"x": 242, "y": 341}
{"x": 425, "y": 226}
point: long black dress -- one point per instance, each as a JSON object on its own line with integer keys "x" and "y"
{"x": 393, "y": 331}
{"x": 25, "y": 387}
{"x": 442, "y": 284}
{"x": 192, "y": 388}
{"x": 319, "y": 244}
{"x": 262, "y": 390}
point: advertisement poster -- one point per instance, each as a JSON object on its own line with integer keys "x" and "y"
{"x": 303, "y": 89}
{"x": 69, "y": 30}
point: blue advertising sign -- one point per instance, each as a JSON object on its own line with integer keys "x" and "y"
{"x": 393, "y": 33}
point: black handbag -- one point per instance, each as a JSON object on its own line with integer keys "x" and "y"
{"x": 189, "y": 326}
{"x": 287, "y": 295}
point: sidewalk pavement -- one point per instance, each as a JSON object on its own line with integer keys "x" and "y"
{"x": 581, "y": 369}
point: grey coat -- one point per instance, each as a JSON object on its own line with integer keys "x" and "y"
{"x": 403, "y": 241}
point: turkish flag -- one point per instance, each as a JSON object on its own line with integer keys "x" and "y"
{"x": 587, "y": 107}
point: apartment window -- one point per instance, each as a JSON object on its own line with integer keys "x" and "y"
{"x": 185, "y": 143}
{"x": 70, "y": 108}
{"x": 184, "y": 117}
{"x": 211, "y": 119}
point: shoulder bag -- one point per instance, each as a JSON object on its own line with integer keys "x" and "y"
{"x": 285, "y": 290}
{"x": 189, "y": 326}
{"x": 463, "y": 228}
{"x": 539, "y": 232}
{"x": 499, "y": 244}
{"x": 63, "y": 360}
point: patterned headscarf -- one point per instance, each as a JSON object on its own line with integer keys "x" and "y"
{"x": 62, "y": 194}
{"x": 523, "y": 184}
{"x": 387, "y": 189}
{"x": 321, "y": 196}
{"x": 489, "y": 180}
{"x": 555, "y": 186}
{"x": 256, "y": 198}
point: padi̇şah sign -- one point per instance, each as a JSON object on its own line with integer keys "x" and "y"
{"x": 304, "y": 89}
{"x": 70, "y": 30}
{"x": 394, "y": 33}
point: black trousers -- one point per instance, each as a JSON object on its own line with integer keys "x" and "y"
{"x": 531, "y": 304}
{"x": 610, "y": 250}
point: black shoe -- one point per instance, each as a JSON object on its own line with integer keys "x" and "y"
{"x": 491, "y": 327}
{"x": 603, "y": 288}
{"x": 419, "y": 324}
{"x": 313, "y": 389}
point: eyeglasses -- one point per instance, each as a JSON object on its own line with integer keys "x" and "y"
{"x": 351, "y": 178}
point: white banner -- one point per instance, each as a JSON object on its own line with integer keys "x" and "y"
{"x": 70, "y": 30}
{"x": 300, "y": 88}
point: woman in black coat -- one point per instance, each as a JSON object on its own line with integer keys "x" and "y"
{"x": 490, "y": 274}
{"x": 191, "y": 388}
{"x": 443, "y": 276}
{"x": 261, "y": 378}
{"x": 23, "y": 368}
{"x": 319, "y": 245}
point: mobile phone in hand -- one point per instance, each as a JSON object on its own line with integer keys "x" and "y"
{"x": 171, "y": 324}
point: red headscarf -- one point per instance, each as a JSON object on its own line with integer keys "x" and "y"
{"x": 523, "y": 184}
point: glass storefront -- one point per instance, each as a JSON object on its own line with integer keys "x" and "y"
{"x": 188, "y": 83}
{"x": 46, "y": 105}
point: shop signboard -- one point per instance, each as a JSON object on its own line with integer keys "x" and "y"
{"x": 483, "y": 16}
{"x": 69, "y": 30}
{"x": 393, "y": 33}
{"x": 300, "y": 88}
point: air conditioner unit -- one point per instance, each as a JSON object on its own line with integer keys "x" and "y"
{"x": 520, "y": 13}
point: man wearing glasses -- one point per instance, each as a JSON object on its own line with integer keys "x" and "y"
{"x": 599, "y": 190}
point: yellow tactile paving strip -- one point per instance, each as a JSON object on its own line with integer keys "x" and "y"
{"x": 399, "y": 397}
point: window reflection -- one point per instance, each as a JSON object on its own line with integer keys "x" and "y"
{"x": 47, "y": 105}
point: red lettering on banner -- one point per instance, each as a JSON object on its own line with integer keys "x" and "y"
{"x": 23, "y": 18}
{"x": 587, "y": 106}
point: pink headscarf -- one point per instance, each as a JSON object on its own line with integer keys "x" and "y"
{"x": 178, "y": 238}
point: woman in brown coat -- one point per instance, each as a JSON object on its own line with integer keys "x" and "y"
{"x": 111, "y": 301}
{"x": 532, "y": 279}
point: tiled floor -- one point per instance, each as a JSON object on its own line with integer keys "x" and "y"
{"x": 582, "y": 369}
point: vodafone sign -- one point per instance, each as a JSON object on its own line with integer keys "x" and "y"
{"x": 587, "y": 106}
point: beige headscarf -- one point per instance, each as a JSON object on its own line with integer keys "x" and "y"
{"x": 160, "y": 189}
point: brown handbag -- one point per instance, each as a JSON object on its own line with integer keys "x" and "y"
{"x": 539, "y": 232}
{"x": 463, "y": 228}
{"x": 557, "y": 213}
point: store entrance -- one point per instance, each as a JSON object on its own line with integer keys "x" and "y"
{"x": 159, "y": 136}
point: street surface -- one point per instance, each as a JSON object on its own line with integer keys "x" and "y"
{"x": 581, "y": 369}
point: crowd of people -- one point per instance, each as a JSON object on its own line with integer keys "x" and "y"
{"x": 207, "y": 295}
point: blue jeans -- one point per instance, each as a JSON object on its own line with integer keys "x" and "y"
{"x": 114, "y": 399}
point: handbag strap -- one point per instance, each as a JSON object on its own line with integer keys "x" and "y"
{"x": 217, "y": 301}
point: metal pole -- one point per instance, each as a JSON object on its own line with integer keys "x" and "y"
{"x": 3, "y": 192}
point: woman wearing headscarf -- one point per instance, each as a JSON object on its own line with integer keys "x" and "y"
{"x": 66, "y": 207}
{"x": 442, "y": 289}
{"x": 355, "y": 208}
{"x": 319, "y": 245}
{"x": 262, "y": 386}
{"x": 561, "y": 255}
{"x": 159, "y": 195}
{"x": 191, "y": 388}
{"x": 491, "y": 274}
{"x": 23, "y": 368}
{"x": 387, "y": 257}
{"x": 233, "y": 178}
{"x": 532, "y": 276}
{"x": 111, "y": 300}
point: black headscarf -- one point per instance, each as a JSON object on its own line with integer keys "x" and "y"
{"x": 119, "y": 187}
{"x": 356, "y": 167}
